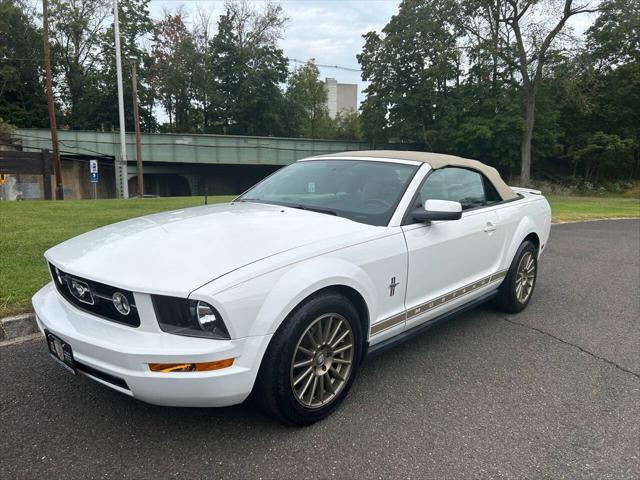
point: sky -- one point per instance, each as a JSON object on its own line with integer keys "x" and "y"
{"x": 328, "y": 30}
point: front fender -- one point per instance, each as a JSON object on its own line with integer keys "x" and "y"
{"x": 258, "y": 306}
{"x": 303, "y": 280}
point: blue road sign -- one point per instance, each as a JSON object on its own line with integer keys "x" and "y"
{"x": 94, "y": 177}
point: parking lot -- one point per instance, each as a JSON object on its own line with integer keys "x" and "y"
{"x": 553, "y": 391}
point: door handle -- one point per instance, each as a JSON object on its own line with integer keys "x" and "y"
{"x": 490, "y": 227}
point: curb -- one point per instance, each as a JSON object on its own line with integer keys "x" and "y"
{"x": 28, "y": 338}
{"x": 14, "y": 329}
{"x": 587, "y": 220}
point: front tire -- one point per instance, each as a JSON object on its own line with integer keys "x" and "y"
{"x": 516, "y": 290}
{"x": 312, "y": 361}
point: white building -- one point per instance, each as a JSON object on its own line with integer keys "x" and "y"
{"x": 341, "y": 97}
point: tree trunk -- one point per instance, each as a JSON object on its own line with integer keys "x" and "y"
{"x": 527, "y": 135}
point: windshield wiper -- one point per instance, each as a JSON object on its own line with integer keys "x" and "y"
{"x": 299, "y": 206}
{"x": 312, "y": 209}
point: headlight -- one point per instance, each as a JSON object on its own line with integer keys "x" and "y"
{"x": 205, "y": 314}
{"x": 193, "y": 318}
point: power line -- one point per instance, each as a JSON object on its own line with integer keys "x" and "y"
{"x": 291, "y": 60}
{"x": 337, "y": 67}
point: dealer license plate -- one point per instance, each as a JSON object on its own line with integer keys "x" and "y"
{"x": 61, "y": 352}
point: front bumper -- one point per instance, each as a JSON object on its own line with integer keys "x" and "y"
{"x": 124, "y": 352}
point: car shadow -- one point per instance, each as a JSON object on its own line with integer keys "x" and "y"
{"x": 391, "y": 364}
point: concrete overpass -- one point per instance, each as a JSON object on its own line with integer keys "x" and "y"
{"x": 187, "y": 164}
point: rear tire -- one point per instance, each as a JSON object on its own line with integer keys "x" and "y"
{"x": 311, "y": 362}
{"x": 516, "y": 290}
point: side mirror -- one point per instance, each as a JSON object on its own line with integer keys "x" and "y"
{"x": 438, "y": 210}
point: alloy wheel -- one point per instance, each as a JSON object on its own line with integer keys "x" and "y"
{"x": 525, "y": 277}
{"x": 322, "y": 361}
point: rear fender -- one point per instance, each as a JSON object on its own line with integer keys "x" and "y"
{"x": 524, "y": 228}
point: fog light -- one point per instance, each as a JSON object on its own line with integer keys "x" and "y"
{"x": 121, "y": 303}
{"x": 190, "y": 367}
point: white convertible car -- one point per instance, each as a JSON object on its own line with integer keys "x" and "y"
{"x": 284, "y": 291}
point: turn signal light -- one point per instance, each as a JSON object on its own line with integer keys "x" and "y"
{"x": 190, "y": 367}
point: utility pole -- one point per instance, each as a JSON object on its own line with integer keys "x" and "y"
{"x": 122, "y": 168}
{"x": 57, "y": 169}
{"x": 136, "y": 121}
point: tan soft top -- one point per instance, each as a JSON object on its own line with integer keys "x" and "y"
{"x": 436, "y": 161}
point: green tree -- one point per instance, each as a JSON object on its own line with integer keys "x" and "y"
{"x": 248, "y": 69}
{"x": 348, "y": 126}
{"x": 230, "y": 70}
{"x": 410, "y": 67}
{"x": 307, "y": 99}
{"x": 374, "y": 120}
{"x": 594, "y": 97}
{"x": 6, "y": 132}
{"x": 614, "y": 38}
{"x": 22, "y": 96}
{"x": 75, "y": 28}
{"x": 204, "y": 92}
{"x": 608, "y": 84}
{"x": 135, "y": 26}
{"x": 451, "y": 76}
{"x": 262, "y": 100}
{"x": 522, "y": 33}
{"x": 173, "y": 56}
{"x": 605, "y": 152}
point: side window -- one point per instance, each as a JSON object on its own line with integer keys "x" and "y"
{"x": 490, "y": 192}
{"x": 468, "y": 187}
{"x": 434, "y": 188}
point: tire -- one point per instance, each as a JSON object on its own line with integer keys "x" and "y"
{"x": 280, "y": 382}
{"x": 513, "y": 298}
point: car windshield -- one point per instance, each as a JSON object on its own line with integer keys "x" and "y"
{"x": 363, "y": 191}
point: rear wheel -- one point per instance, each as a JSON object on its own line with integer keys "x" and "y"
{"x": 312, "y": 361}
{"x": 517, "y": 288}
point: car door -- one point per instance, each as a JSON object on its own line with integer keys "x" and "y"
{"x": 452, "y": 262}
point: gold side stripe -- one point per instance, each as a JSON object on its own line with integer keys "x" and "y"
{"x": 412, "y": 312}
{"x": 448, "y": 297}
{"x": 498, "y": 275}
{"x": 388, "y": 323}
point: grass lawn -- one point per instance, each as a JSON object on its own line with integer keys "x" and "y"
{"x": 28, "y": 228}
{"x": 567, "y": 209}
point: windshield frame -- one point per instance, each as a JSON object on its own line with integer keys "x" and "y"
{"x": 389, "y": 215}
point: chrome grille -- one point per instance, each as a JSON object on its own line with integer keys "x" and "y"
{"x": 94, "y": 297}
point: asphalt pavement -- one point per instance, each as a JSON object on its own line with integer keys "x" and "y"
{"x": 551, "y": 392}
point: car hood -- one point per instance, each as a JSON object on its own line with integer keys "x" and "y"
{"x": 176, "y": 252}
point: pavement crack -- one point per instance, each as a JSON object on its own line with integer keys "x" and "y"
{"x": 597, "y": 357}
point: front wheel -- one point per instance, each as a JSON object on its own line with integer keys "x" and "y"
{"x": 517, "y": 288}
{"x": 312, "y": 361}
